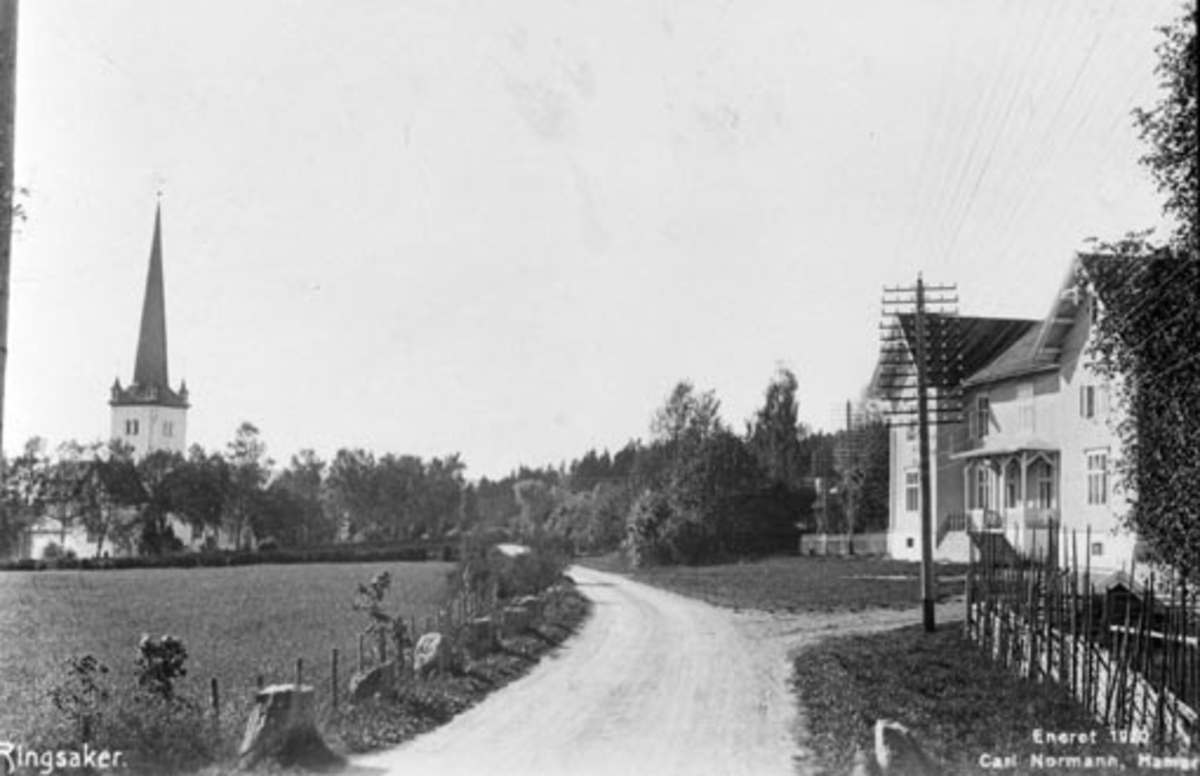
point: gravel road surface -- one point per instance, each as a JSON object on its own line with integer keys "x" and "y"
{"x": 654, "y": 684}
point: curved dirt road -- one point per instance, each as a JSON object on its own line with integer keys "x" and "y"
{"x": 655, "y": 683}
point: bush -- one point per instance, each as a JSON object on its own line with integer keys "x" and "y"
{"x": 648, "y": 529}
{"x": 158, "y": 729}
{"x": 483, "y": 566}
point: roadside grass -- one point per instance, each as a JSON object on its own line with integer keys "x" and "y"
{"x": 237, "y": 623}
{"x": 429, "y": 703}
{"x": 959, "y": 705}
{"x": 795, "y": 583}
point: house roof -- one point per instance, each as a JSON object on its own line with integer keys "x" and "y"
{"x": 1021, "y": 357}
{"x": 998, "y": 444}
{"x": 980, "y": 340}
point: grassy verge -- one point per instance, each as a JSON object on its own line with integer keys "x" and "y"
{"x": 960, "y": 706}
{"x": 794, "y": 583}
{"x": 426, "y": 704}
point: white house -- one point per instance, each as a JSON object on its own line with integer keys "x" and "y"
{"x": 1032, "y": 461}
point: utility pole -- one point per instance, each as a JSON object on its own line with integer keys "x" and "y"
{"x": 920, "y": 353}
{"x": 8, "y": 100}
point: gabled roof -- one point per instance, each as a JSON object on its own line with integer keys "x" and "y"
{"x": 979, "y": 341}
{"x": 1038, "y": 350}
{"x": 1020, "y": 358}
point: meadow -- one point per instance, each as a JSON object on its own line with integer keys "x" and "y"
{"x": 237, "y": 623}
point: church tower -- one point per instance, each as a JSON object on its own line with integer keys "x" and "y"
{"x": 147, "y": 415}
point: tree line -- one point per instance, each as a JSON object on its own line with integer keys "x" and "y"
{"x": 695, "y": 491}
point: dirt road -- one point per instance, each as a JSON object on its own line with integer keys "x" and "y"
{"x": 655, "y": 683}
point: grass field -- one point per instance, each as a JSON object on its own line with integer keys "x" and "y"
{"x": 237, "y": 623}
{"x": 959, "y": 704}
{"x": 796, "y": 584}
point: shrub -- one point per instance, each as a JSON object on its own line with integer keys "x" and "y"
{"x": 647, "y": 529}
{"x": 158, "y": 729}
{"x": 484, "y": 567}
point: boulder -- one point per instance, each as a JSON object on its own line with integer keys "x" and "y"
{"x": 514, "y": 620}
{"x": 374, "y": 682}
{"x": 283, "y": 727}
{"x": 897, "y": 752}
{"x": 434, "y": 652}
{"x": 478, "y": 637}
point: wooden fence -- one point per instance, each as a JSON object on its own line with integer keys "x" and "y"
{"x": 373, "y": 649}
{"x": 1127, "y": 651}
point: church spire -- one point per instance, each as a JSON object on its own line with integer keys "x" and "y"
{"x": 150, "y": 368}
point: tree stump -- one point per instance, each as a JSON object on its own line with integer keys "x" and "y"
{"x": 283, "y": 727}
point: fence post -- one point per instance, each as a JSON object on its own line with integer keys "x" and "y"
{"x": 216, "y": 705}
{"x": 299, "y": 671}
{"x": 333, "y": 678}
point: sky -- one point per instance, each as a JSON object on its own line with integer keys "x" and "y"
{"x": 506, "y": 230}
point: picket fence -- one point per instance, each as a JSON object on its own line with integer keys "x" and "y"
{"x": 1127, "y": 651}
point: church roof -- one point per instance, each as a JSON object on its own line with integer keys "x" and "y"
{"x": 150, "y": 384}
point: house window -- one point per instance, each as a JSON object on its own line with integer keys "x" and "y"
{"x": 1097, "y": 477}
{"x": 167, "y": 428}
{"x": 1045, "y": 485}
{"x": 982, "y": 488}
{"x": 131, "y": 427}
{"x": 1087, "y": 401}
{"x": 912, "y": 491}
{"x": 1097, "y": 548}
{"x": 981, "y": 418}
{"x": 1012, "y": 485}
{"x": 910, "y": 432}
{"x": 197, "y": 531}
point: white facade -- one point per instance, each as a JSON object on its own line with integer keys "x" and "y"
{"x": 149, "y": 427}
{"x": 1033, "y": 459}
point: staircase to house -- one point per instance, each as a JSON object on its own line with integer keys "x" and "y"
{"x": 994, "y": 548}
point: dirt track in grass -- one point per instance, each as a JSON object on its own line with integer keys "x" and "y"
{"x": 655, "y": 683}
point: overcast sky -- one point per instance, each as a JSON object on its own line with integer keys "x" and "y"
{"x": 507, "y": 229}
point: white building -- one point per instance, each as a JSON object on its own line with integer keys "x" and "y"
{"x": 1032, "y": 462}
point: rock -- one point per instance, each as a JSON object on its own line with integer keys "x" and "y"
{"x": 377, "y": 681}
{"x": 898, "y": 753}
{"x": 283, "y": 727}
{"x": 514, "y": 620}
{"x": 479, "y": 637}
{"x": 434, "y": 652}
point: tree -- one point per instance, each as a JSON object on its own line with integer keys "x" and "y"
{"x": 686, "y": 419}
{"x": 352, "y": 490}
{"x": 1144, "y": 341}
{"x": 158, "y": 472}
{"x": 444, "y": 485}
{"x": 25, "y": 486}
{"x": 304, "y": 480}
{"x": 249, "y": 471}
{"x": 99, "y": 486}
{"x": 201, "y": 489}
{"x": 861, "y": 456}
{"x": 1148, "y": 313}
{"x": 1169, "y": 128}
{"x": 775, "y": 433}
